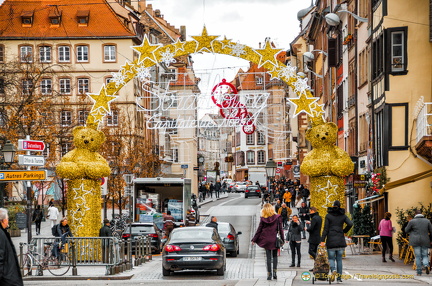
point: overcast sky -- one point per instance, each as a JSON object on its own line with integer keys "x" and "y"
{"x": 248, "y": 22}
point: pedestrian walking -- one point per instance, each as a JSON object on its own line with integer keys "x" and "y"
{"x": 51, "y": 203}
{"x": 314, "y": 228}
{"x": 299, "y": 201}
{"x": 304, "y": 217}
{"x": 10, "y": 273}
{"x": 52, "y": 215}
{"x": 386, "y": 234}
{"x": 213, "y": 223}
{"x": 287, "y": 197}
{"x": 294, "y": 238}
{"x": 293, "y": 192}
{"x": 266, "y": 235}
{"x": 420, "y": 233}
{"x": 37, "y": 218}
{"x": 217, "y": 188}
{"x": 285, "y": 212}
{"x": 277, "y": 206}
{"x": 333, "y": 238}
{"x": 168, "y": 223}
{"x": 105, "y": 231}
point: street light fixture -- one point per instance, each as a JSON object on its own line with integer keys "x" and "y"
{"x": 333, "y": 19}
{"x": 270, "y": 169}
{"x": 8, "y": 151}
{"x": 309, "y": 56}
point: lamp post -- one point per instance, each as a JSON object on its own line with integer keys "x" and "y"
{"x": 129, "y": 180}
{"x": 270, "y": 168}
{"x": 333, "y": 19}
{"x": 8, "y": 151}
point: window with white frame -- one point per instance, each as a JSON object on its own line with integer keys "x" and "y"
{"x": 66, "y": 118}
{"x": 64, "y": 54}
{"x": 261, "y": 157}
{"x": 110, "y": 53}
{"x": 261, "y": 138}
{"x": 65, "y": 147}
{"x": 27, "y": 86}
{"x": 65, "y": 85}
{"x": 83, "y": 85}
{"x": 112, "y": 118}
{"x": 46, "y": 86}
{"x": 250, "y": 139}
{"x": 398, "y": 50}
{"x": 82, "y": 116}
{"x": 259, "y": 80}
{"x": 82, "y": 53}
{"x": 26, "y": 54}
{"x": 250, "y": 155}
{"x": 45, "y": 54}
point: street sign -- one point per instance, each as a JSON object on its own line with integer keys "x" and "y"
{"x": 29, "y": 160}
{"x": 278, "y": 170}
{"x": 23, "y": 175}
{"x": 30, "y": 145}
{"x": 184, "y": 166}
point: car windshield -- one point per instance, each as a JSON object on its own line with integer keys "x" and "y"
{"x": 201, "y": 234}
{"x": 142, "y": 228}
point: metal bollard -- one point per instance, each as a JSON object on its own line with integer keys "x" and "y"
{"x": 149, "y": 248}
{"x": 137, "y": 250}
{"x": 21, "y": 259}
{"x": 74, "y": 262}
{"x": 129, "y": 254}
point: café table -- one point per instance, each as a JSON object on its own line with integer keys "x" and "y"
{"x": 361, "y": 238}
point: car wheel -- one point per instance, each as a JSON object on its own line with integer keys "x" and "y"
{"x": 220, "y": 271}
{"x": 246, "y": 197}
{"x": 165, "y": 272}
{"x": 234, "y": 253}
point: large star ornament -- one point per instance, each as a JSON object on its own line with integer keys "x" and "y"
{"x": 268, "y": 55}
{"x": 204, "y": 41}
{"x": 303, "y": 104}
{"x": 102, "y": 100}
{"x": 147, "y": 50}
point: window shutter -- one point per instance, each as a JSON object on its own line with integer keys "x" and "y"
{"x": 332, "y": 52}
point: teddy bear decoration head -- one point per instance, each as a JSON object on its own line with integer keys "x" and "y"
{"x": 322, "y": 134}
{"x": 88, "y": 138}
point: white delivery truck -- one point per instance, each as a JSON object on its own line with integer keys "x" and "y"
{"x": 258, "y": 176}
{"x": 162, "y": 195}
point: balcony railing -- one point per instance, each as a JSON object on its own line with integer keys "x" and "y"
{"x": 424, "y": 121}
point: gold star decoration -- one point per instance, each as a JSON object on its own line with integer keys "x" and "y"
{"x": 268, "y": 55}
{"x": 102, "y": 100}
{"x": 274, "y": 73}
{"x": 226, "y": 43}
{"x": 204, "y": 41}
{"x": 97, "y": 115}
{"x": 317, "y": 109}
{"x": 128, "y": 68}
{"x": 179, "y": 45}
{"x": 146, "y": 50}
{"x": 303, "y": 104}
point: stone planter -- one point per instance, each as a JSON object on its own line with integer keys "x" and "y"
{"x": 15, "y": 232}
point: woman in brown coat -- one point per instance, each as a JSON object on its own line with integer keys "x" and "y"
{"x": 265, "y": 236}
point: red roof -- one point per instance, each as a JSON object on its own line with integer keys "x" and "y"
{"x": 102, "y": 21}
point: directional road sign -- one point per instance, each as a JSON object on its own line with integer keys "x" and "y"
{"x": 29, "y": 160}
{"x": 30, "y": 145}
{"x": 23, "y": 175}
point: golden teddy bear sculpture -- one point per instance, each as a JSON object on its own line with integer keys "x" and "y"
{"x": 84, "y": 167}
{"x": 326, "y": 165}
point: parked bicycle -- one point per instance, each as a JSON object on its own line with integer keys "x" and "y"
{"x": 33, "y": 260}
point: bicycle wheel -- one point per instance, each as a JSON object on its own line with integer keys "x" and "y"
{"x": 27, "y": 264}
{"x": 58, "y": 266}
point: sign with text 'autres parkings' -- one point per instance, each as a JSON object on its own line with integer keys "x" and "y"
{"x": 27, "y": 175}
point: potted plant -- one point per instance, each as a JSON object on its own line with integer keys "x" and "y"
{"x": 12, "y": 211}
{"x": 348, "y": 38}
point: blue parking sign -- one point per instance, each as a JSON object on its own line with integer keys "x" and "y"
{"x": 2, "y": 176}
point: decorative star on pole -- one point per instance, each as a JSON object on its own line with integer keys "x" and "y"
{"x": 303, "y": 104}
{"x": 147, "y": 50}
{"x": 204, "y": 41}
{"x": 268, "y": 55}
{"x": 102, "y": 100}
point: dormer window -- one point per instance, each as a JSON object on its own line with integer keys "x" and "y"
{"x": 55, "y": 17}
{"x": 83, "y": 17}
{"x": 27, "y": 18}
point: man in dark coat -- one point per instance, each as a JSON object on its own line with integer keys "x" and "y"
{"x": 105, "y": 231}
{"x": 37, "y": 218}
{"x": 217, "y": 188}
{"x": 333, "y": 237}
{"x": 420, "y": 233}
{"x": 314, "y": 228}
{"x": 213, "y": 223}
{"x": 10, "y": 274}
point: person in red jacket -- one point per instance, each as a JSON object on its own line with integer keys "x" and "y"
{"x": 265, "y": 236}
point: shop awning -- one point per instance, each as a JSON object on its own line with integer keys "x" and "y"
{"x": 407, "y": 180}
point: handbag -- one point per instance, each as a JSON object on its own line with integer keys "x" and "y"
{"x": 279, "y": 241}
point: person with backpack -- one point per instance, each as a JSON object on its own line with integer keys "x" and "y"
{"x": 61, "y": 230}
{"x": 285, "y": 212}
{"x": 37, "y": 218}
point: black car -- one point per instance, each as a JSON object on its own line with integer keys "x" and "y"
{"x": 229, "y": 237}
{"x": 253, "y": 190}
{"x": 196, "y": 247}
{"x": 145, "y": 229}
